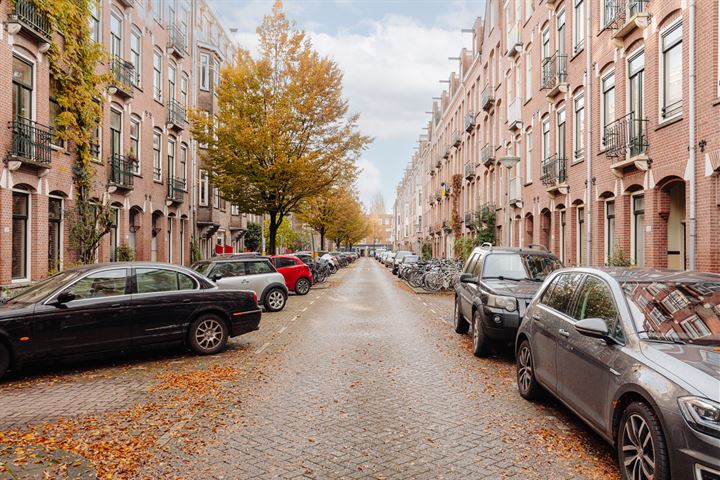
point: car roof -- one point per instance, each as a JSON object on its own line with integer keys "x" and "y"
{"x": 650, "y": 275}
{"x": 222, "y": 259}
{"x": 534, "y": 251}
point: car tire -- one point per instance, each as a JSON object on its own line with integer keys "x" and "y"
{"x": 460, "y": 325}
{"x": 640, "y": 443}
{"x": 208, "y": 334}
{"x": 302, "y": 286}
{"x": 275, "y": 300}
{"x": 481, "y": 343}
{"x": 4, "y": 360}
{"x": 528, "y": 386}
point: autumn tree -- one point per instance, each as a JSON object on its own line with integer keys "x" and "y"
{"x": 320, "y": 213}
{"x": 282, "y": 134}
{"x": 350, "y": 224}
{"x": 376, "y": 229}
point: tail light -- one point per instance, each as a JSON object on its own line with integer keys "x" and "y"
{"x": 255, "y": 298}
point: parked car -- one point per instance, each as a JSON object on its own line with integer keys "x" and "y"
{"x": 250, "y": 273}
{"x": 635, "y": 353}
{"x": 113, "y": 307}
{"x": 306, "y": 258}
{"x": 298, "y": 277}
{"x": 398, "y": 258}
{"x": 389, "y": 258}
{"x": 406, "y": 262}
{"x": 495, "y": 288}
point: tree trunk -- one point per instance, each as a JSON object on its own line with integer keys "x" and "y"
{"x": 273, "y": 228}
{"x": 322, "y": 239}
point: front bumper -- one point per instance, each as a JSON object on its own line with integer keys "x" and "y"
{"x": 499, "y": 324}
{"x": 693, "y": 455}
{"x": 245, "y": 322}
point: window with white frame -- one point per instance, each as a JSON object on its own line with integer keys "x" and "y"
{"x": 545, "y": 42}
{"x": 216, "y": 197}
{"x": 182, "y": 166}
{"x": 579, "y": 25}
{"x": 203, "y": 188}
{"x": 157, "y": 155}
{"x": 20, "y": 251}
{"x": 671, "y": 72}
{"x": 135, "y": 143}
{"x": 216, "y": 74}
{"x": 116, "y": 34}
{"x": 157, "y": 75}
{"x": 204, "y": 71}
{"x": 528, "y": 157}
{"x": 172, "y": 80}
{"x": 157, "y": 9}
{"x": 579, "y": 130}
{"x": 609, "y": 229}
{"x": 234, "y": 210}
{"x": 607, "y": 103}
{"x": 184, "y": 82}
{"x": 528, "y": 75}
{"x": 529, "y": 8}
{"x": 580, "y": 235}
{"x": 638, "y": 230}
{"x": 171, "y": 160}
{"x": 136, "y": 53}
{"x": 94, "y": 22}
{"x": 545, "y": 146}
{"x": 561, "y": 134}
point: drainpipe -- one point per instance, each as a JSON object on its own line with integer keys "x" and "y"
{"x": 691, "y": 128}
{"x": 588, "y": 96}
{"x": 193, "y": 142}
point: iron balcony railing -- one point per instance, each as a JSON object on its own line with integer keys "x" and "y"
{"x": 626, "y": 135}
{"x": 672, "y": 109}
{"x": 31, "y": 142}
{"x": 121, "y": 171}
{"x": 456, "y": 138}
{"x": 28, "y": 15}
{"x": 469, "y": 219}
{"x": 177, "y": 115}
{"x": 487, "y": 98}
{"x": 514, "y": 114}
{"x": 487, "y": 154}
{"x": 554, "y": 71}
{"x": 438, "y": 194}
{"x": 176, "y": 40}
{"x": 513, "y": 39}
{"x": 618, "y": 11}
{"x": 446, "y": 153}
{"x": 469, "y": 170}
{"x": 123, "y": 73}
{"x": 176, "y": 189}
{"x": 469, "y": 121}
{"x": 554, "y": 171}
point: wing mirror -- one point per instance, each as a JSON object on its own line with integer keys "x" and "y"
{"x": 468, "y": 278}
{"x": 66, "y": 297}
{"x": 216, "y": 276}
{"x": 594, "y": 328}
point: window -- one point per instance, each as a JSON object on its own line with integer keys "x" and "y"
{"x": 563, "y": 226}
{"x": 135, "y": 144}
{"x": 55, "y": 232}
{"x": 151, "y": 280}
{"x": 94, "y": 22}
{"x": 234, "y": 210}
{"x": 607, "y": 104}
{"x": 470, "y": 265}
{"x": 54, "y": 112}
{"x": 157, "y": 9}
{"x": 184, "y": 81}
{"x": 671, "y": 72}
{"x": 675, "y": 301}
{"x": 95, "y": 145}
{"x": 608, "y": 11}
{"x": 22, "y": 85}
{"x": 115, "y": 132}
{"x": 596, "y": 301}
{"x": 529, "y": 8}
{"x": 182, "y": 167}
{"x": 545, "y": 139}
{"x": 20, "y": 225}
{"x": 579, "y": 24}
{"x": 216, "y": 74}
{"x": 561, "y": 135}
{"x": 545, "y": 43}
{"x": 259, "y": 267}
{"x": 528, "y": 157}
{"x": 157, "y": 75}
{"x": 135, "y": 53}
{"x": 580, "y": 235}
{"x": 609, "y": 229}
{"x": 528, "y": 75}
{"x": 216, "y": 197}
{"x": 560, "y": 35}
{"x": 157, "y": 156}
{"x": 203, "y": 186}
{"x": 114, "y": 233}
{"x": 579, "y": 134}
{"x": 204, "y": 71}
{"x": 638, "y": 230}
{"x": 116, "y": 31}
{"x": 284, "y": 262}
{"x": 636, "y": 131}
{"x": 559, "y": 294}
{"x": 109, "y": 283}
{"x": 172, "y": 79}
{"x": 695, "y": 327}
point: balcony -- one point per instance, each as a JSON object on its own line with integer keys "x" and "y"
{"x": 432, "y": 200}
{"x": 514, "y": 41}
{"x": 438, "y": 194}
{"x": 123, "y": 77}
{"x": 487, "y": 155}
{"x": 515, "y": 192}
{"x": 121, "y": 173}
{"x": 30, "y": 144}
{"x": 26, "y": 19}
{"x": 515, "y": 115}
{"x": 176, "y": 41}
{"x": 469, "y": 170}
{"x": 554, "y": 75}
{"x": 446, "y": 152}
{"x": 486, "y": 211}
{"x": 431, "y": 230}
{"x": 446, "y": 226}
{"x": 176, "y": 190}
{"x": 469, "y": 121}
{"x": 439, "y": 159}
{"x": 469, "y": 220}
{"x": 624, "y": 16}
{"x": 554, "y": 174}
{"x": 456, "y": 139}
{"x": 626, "y": 144}
{"x": 177, "y": 118}
{"x": 487, "y": 98}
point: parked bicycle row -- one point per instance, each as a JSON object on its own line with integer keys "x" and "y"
{"x": 433, "y": 275}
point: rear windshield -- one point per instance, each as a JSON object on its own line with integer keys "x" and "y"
{"x": 679, "y": 312}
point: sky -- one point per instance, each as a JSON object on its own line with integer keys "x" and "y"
{"x": 393, "y": 53}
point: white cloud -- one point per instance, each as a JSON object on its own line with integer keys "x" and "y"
{"x": 369, "y": 182}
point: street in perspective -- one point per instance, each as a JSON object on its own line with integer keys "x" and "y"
{"x": 200, "y": 277}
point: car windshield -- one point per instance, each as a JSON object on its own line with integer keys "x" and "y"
{"x": 201, "y": 267}
{"x": 411, "y": 259}
{"x": 677, "y": 312}
{"x": 513, "y": 266}
{"x": 43, "y": 289}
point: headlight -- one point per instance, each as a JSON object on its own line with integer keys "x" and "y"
{"x": 702, "y": 414}
{"x": 497, "y": 301}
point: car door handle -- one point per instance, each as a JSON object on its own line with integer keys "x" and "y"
{"x": 536, "y": 317}
{"x": 187, "y": 300}
{"x": 564, "y": 332}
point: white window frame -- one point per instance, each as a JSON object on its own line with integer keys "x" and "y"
{"x": 633, "y": 233}
{"x": 561, "y": 113}
{"x": 136, "y": 121}
{"x": 577, "y": 138}
{"x": 95, "y": 23}
{"x": 203, "y": 188}
{"x": 157, "y": 75}
{"x": 605, "y": 77}
{"x": 579, "y": 25}
{"x": 136, "y": 55}
{"x": 28, "y": 237}
{"x": 608, "y": 247}
{"x": 580, "y": 234}
{"x": 61, "y": 226}
{"x": 545, "y": 146}
{"x": 204, "y": 72}
{"x": 661, "y": 83}
{"x": 157, "y": 156}
{"x": 528, "y": 157}
{"x": 528, "y": 74}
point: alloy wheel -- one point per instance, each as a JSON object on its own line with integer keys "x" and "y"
{"x": 638, "y": 449}
{"x": 302, "y": 286}
{"x": 524, "y": 371}
{"x": 209, "y": 334}
{"x": 276, "y": 300}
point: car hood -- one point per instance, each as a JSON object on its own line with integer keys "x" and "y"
{"x": 521, "y": 289}
{"x": 14, "y": 310}
{"x": 695, "y": 365}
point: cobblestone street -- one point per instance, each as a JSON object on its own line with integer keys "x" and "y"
{"x": 363, "y": 379}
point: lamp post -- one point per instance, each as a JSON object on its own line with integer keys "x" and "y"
{"x": 509, "y": 163}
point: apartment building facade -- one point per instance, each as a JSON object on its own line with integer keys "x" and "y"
{"x": 164, "y": 59}
{"x": 597, "y": 167}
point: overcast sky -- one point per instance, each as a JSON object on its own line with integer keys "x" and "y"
{"x": 393, "y": 53}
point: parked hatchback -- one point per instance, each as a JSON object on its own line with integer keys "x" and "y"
{"x": 635, "y": 353}
{"x": 495, "y": 288}
{"x": 248, "y": 273}
{"x": 298, "y": 277}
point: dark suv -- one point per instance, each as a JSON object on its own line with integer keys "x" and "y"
{"x": 495, "y": 288}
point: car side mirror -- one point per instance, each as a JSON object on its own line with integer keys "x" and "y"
{"x": 594, "y": 328}
{"x": 66, "y": 297}
{"x": 468, "y": 278}
{"x": 216, "y": 276}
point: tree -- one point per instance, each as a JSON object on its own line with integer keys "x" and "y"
{"x": 320, "y": 213}
{"x": 253, "y": 236}
{"x": 285, "y": 231}
{"x": 282, "y": 134}
{"x": 350, "y": 225}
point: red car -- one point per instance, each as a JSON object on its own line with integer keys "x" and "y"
{"x": 298, "y": 277}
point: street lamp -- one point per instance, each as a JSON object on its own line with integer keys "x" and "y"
{"x": 509, "y": 163}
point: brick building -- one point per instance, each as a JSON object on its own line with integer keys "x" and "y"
{"x": 165, "y": 57}
{"x": 598, "y": 164}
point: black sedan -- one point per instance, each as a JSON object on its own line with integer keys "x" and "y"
{"x": 113, "y": 307}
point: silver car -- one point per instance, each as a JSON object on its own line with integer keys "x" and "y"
{"x": 635, "y": 353}
{"x": 247, "y": 273}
